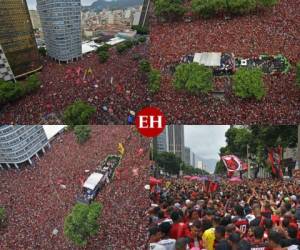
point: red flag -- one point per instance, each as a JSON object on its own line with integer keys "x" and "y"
{"x": 275, "y": 159}
{"x": 232, "y": 163}
{"x": 213, "y": 187}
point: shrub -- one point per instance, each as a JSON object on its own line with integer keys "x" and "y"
{"x": 42, "y": 51}
{"x": 240, "y": 6}
{"x": 248, "y": 83}
{"x": 142, "y": 39}
{"x": 298, "y": 74}
{"x": 154, "y": 81}
{"x": 193, "y": 77}
{"x": 82, "y": 133}
{"x": 129, "y": 44}
{"x": 103, "y": 56}
{"x": 145, "y": 66}
{"x": 82, "y": 223}
{"x": 104, "y": 47}
{"x": 78, "y": 113}
{"x": 3, "y": 217}
{"x": 10, "y": 91}
{"x": 140, "y": 29}
{"x": 169, "y": 9}
{"x": 267, "y": 3}
{"x": 121, "y": 47}
{"x": 207, "y": 8}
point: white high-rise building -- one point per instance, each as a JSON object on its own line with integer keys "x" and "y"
{"x": 61, "y": 24}
{"x": 18, "y": 144}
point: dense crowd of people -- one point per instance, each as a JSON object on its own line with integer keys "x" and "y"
{"x": 38, "y": 198}
{"x": 259, "y": 214}
{"x": 272, "y": 31}
{"x": 114, "y": 88}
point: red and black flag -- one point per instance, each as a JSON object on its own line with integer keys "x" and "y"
{"x": 275, "y": 159}
{"x": 233, "y": 164}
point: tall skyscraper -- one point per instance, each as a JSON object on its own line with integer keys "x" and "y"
{"x": 187, "y": 156}
{"x": 171, "y": 140}
{"x": 61, "y": 25}
{"x": 17, "y": 37}
{"x": 18, "y": 144}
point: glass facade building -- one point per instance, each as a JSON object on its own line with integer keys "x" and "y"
{"x": 17, "y": 37}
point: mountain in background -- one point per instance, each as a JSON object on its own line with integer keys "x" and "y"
{"x": 113, "y": 4}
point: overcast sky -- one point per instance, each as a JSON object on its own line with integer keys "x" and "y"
{"x": 205, "y": 141}
{"x": 32, "y": 3}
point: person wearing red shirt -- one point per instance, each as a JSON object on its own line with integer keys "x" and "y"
{"x": 179, "y": 229}
{"x": 257, "y": 242}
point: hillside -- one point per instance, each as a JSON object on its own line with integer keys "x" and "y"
{"x": 114, "y": 4}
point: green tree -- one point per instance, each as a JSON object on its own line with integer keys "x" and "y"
{"x": 207, "y": 8}
{"x": 145, "y": 66}
{"x": 169, "y": 162}
{"x": 104, "y": 47}
{"x": 82, "y": 133}
{"x": 259, "y": 139}
{"x": 10, "y": 91}
{"x": 121, "y": 48}
{"x": 154, "y": 81}
{"x": 266, "y": 3}
{"x": 190, "y": 170}
{"x": 241, "y": 6}
{"x": 82, "y": 223}
{"x": 3, "y": 217}
{"x": 298, "y": 74}
{"x": 169, "y": 9}
{"x": 237, "y": 140}
{"x": 142, "y": 39}
{"x": 193, "y": 77}
{"x": 220, "y": 168}
{"x": 103, "y": 56}
{"x": 78, "y": 113}
{"x": 31, "y": 84}
{"x": 141, "y": 30}
{"x": 248, "y": 83}
{"x": 42, "y": 51}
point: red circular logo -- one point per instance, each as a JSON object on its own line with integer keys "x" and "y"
{"x": 150, "y": 122}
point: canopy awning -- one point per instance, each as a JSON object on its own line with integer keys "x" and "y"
{"x": 93, "y": 181}
{"x": 210, "y": 59}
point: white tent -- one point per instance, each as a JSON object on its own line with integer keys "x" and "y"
{"x": 93, "y": 181}
{"x": 52, "y": 130}
{"x": 210, "y": 59}
{"x": 115, "y": 41}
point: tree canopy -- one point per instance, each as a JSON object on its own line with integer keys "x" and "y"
{"x": 169, "y": 9}
{"x": 3, "y": 217}
{"x": 193, "y": 77}
{"x": 82, "y": 223}
{"x": 259, "y": 139}
{"x": 248, "y": 83}
{"x": 154, "y": 80}
{"x": 298, "y": 74}
{"x": 10, "y": 92}
{"x": 82, "y": 133}
{"x": 78, "y": 113}
{"x": 172, "y": 164}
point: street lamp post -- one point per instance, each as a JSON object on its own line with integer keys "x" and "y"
{"x": 249, "y": 170}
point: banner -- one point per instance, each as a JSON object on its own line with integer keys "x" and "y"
{"x": 233, "y": 163}
{"x": 275, "y": 159}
